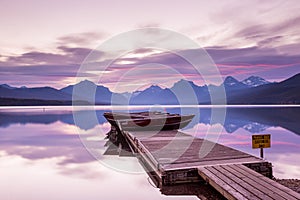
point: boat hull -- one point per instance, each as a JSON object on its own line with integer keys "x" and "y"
{"x": 148, "y": 121}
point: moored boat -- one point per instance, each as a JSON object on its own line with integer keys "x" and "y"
{"x": 148, "y": 120}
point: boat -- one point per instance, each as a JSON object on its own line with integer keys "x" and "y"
{"x": 147, "y": 120}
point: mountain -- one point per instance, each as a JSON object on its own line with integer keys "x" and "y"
{"x": 188, "y": 92}
{"x": 42, "y": 93}
{"x": 285, "y": 92}
{"x": 232, "y": 82}
{"x": 7, "y": 86}
{"x": 294, "y": 81}
{"x": 254, "y": 81}
{"x": 154, "y": 95}
{"x": 88, "y": 91}
{"x": 253, "y": 90}
{"x": 232, "y": 88}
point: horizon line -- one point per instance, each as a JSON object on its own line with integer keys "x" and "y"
{"x": 94, "y": 107}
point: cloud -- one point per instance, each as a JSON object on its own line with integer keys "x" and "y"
{"x": 61, "y": 69}
{"x": 239, "y": 62}
{"x": 149, "y": 25}
{"x": 77, "y": 55}
{"x": 287, "y": 25}
{"x": 270, "y": 34}
{"x": 269, "y": 41}
{"x": 252, "y": 56}
{"x": 36, "y": 58}
{"x": 253, "y": 31}
{"x": 53, "y": 69}
{"x": 64, "y": 55}
{"x": 81, "y": 39}
{"x": 269, "y": 46}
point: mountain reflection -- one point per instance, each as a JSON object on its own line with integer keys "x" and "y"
{"x": 49, "y": 117}
{"x": 254, "y": 120}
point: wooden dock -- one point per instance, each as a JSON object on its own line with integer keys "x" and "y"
{"x": 172, "y": 157}
{"x": 236, "y": 181}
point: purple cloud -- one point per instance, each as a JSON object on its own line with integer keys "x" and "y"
{"x": 37, "y": 67}
{"x": 36, "y": 57}
{"x": 81, "y": 39}
{"x": 65, "y": 55}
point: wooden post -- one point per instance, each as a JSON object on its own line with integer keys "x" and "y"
{"x": 262, "y": 152}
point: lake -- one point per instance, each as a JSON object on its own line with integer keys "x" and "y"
{"x": 59, "y": 153}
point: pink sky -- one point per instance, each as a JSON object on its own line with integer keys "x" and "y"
{"x": 44, "y": 42}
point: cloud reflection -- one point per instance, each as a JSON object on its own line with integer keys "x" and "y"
{"x": 254, "y": 120}
{"x": 54, "y": 135}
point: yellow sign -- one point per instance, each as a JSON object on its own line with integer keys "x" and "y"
{"x": 261, "y": 141}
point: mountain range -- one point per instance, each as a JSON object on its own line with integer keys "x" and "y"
{"x": 253, "y": 90}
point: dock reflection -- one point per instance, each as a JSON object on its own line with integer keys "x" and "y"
{"x": 117, "y": 145}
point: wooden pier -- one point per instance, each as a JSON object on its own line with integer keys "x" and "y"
{"x": 236, "y": 181}
{"x": 172, "y": 157}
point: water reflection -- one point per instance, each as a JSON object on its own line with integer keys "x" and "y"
{"x": 39, "y": 161}
{"x": 254, "y": 120}
{"x": 47, "y": 143}
{"x": 49, "y": 117}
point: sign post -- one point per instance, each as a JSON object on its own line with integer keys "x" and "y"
{"x": 261, "y": 141}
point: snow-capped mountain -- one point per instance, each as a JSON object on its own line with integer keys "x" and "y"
{"x": 254, "y": 81}
{"x": 230, "y": 81}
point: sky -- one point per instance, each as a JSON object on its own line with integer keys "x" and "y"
{"x": 46, "y": 42}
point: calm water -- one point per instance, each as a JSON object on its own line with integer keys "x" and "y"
{"x": 43, "y": 152}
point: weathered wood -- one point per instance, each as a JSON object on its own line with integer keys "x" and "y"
{"x": 185, "y": 152}
{"x": 174, "y": 157}
{"x": 257, "y": 182}
{"x": 244, "y": 185}
{"x": 246, "y": 182}
{"x": 228, "y": 191}
{"x": 281, "y": 190}
{"x": 174, "y": 150}
{"x": 234, "y": 183}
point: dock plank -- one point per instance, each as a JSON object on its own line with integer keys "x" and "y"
{"x": 228, "y": 191}
{"x": 254, "y": 183}
{"x": 245, "y": 183}
{"x": 269, "y": 183}
{"x": 173, "y": 154}
{"x": 239, "y": 185}
{"x": 189, "y": 153}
